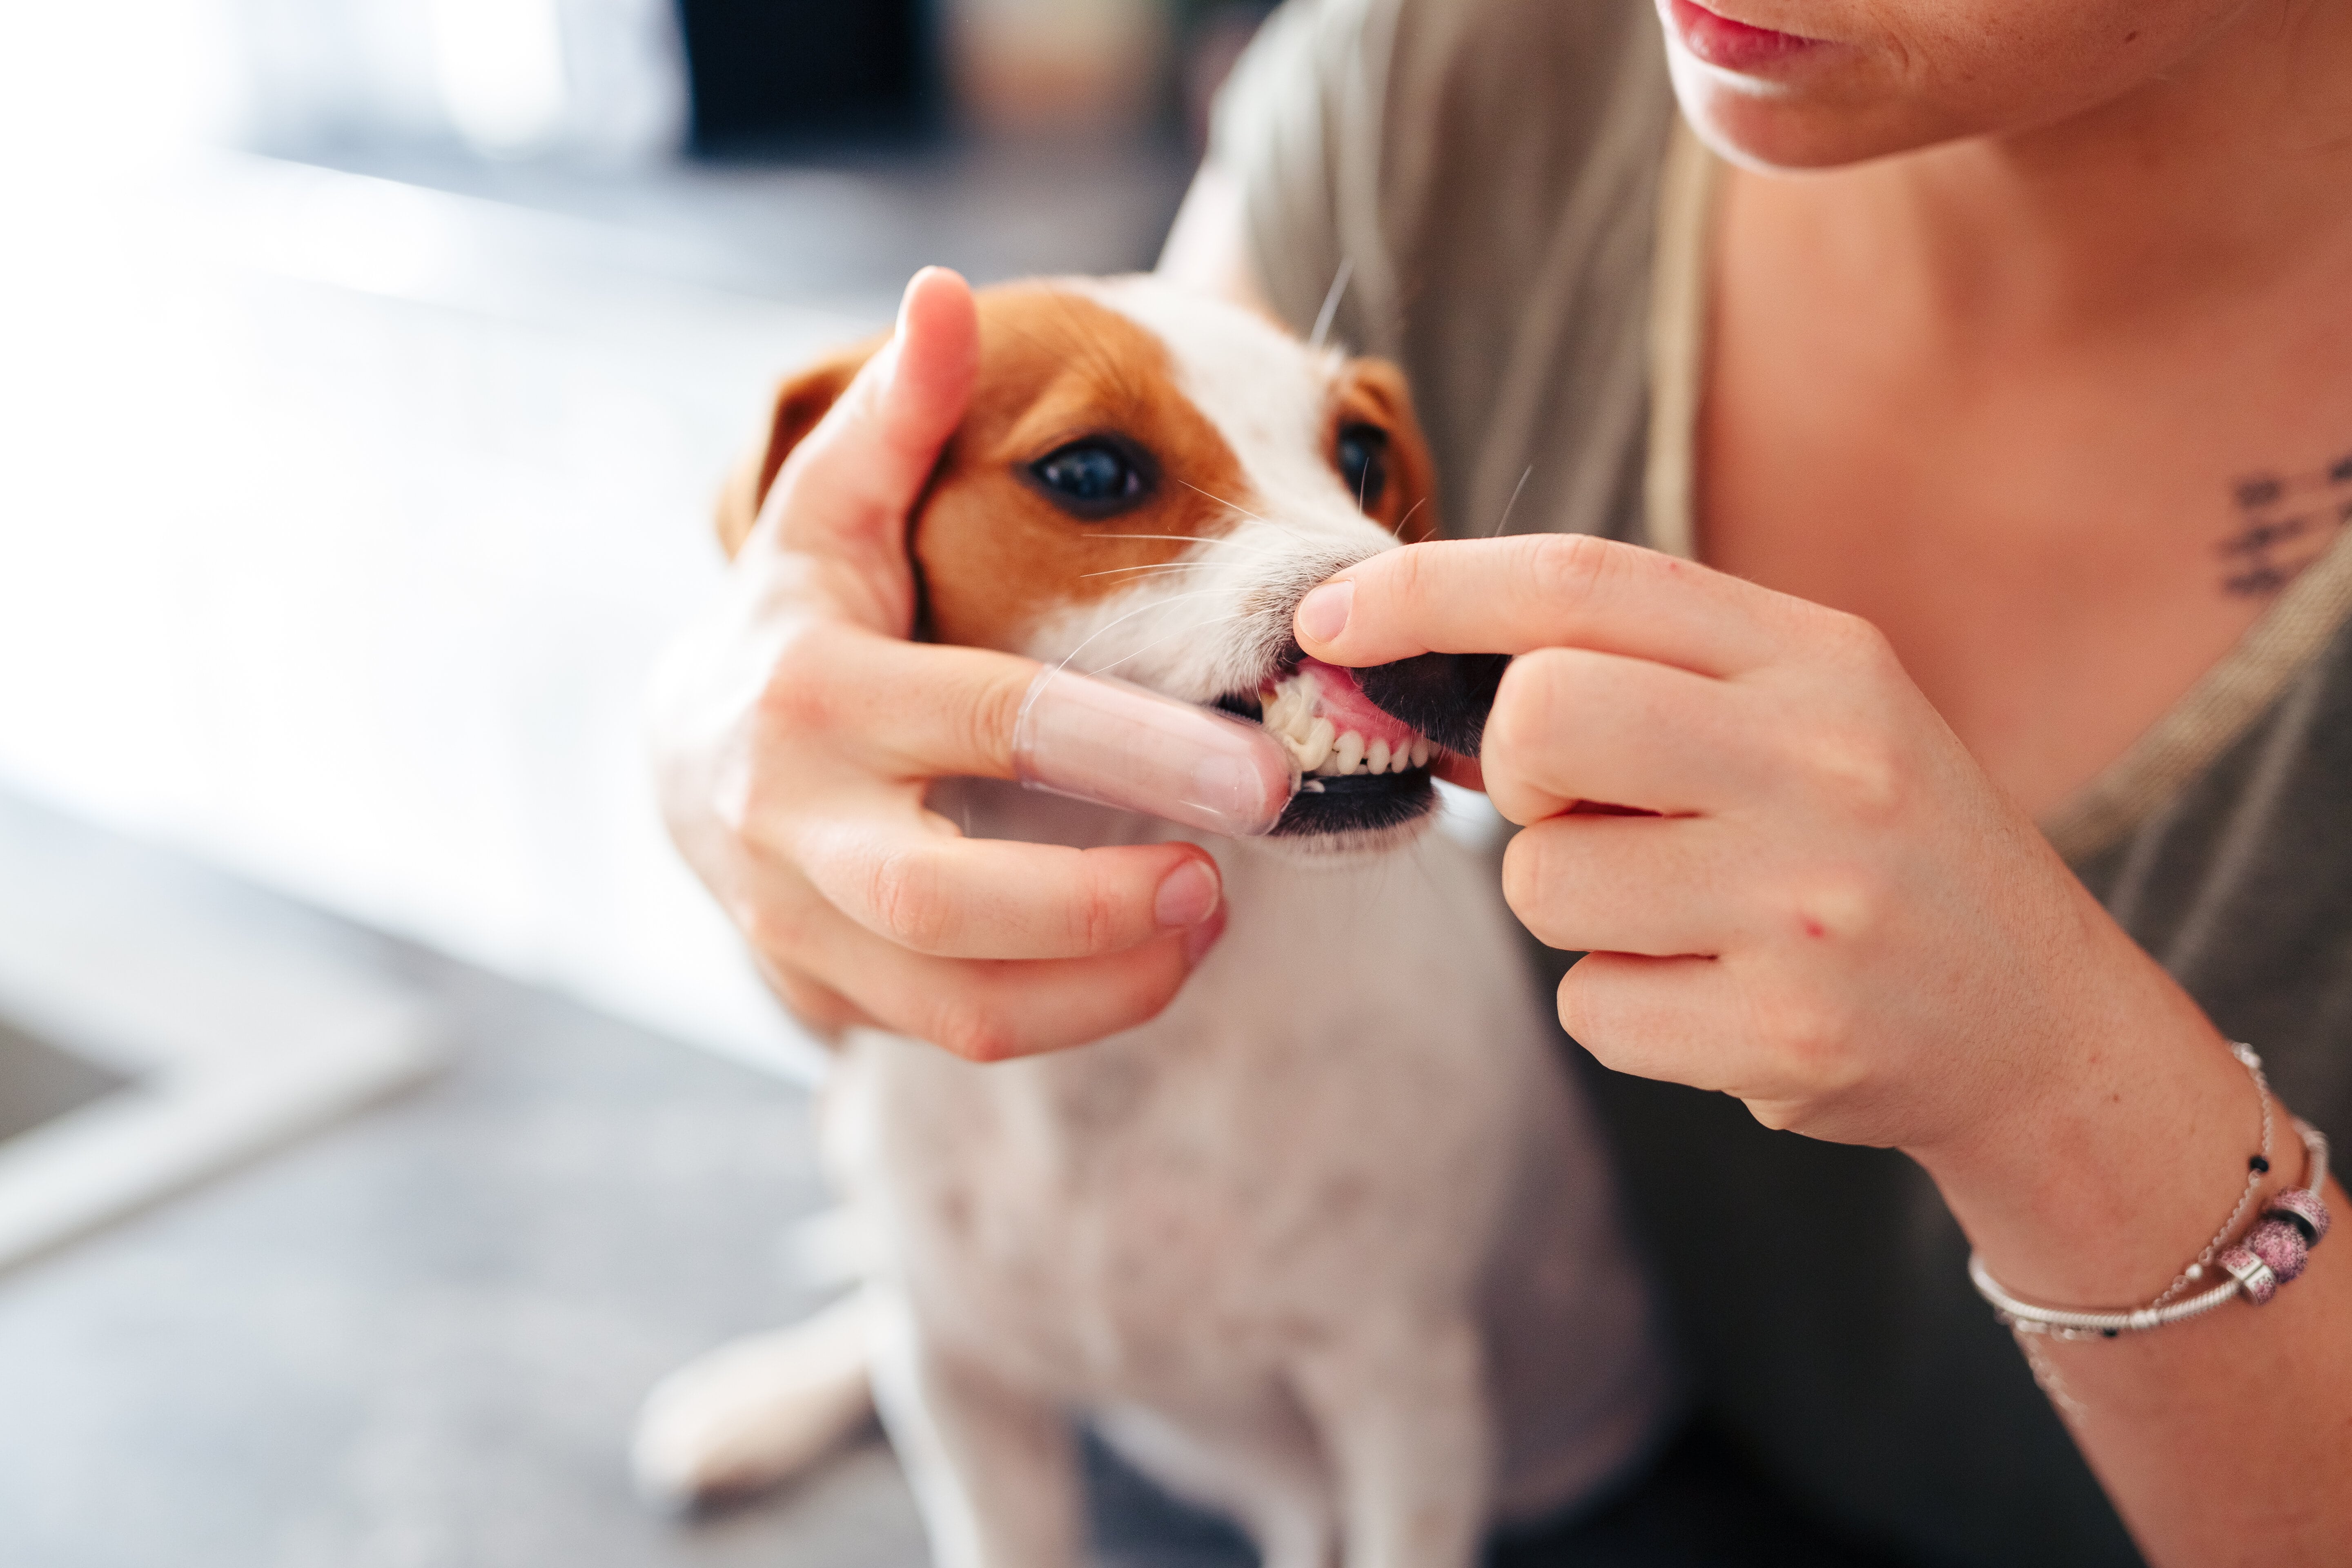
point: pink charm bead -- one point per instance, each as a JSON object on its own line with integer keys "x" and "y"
{"x": 2250, "y": 1271}
{"x": 2307, "y": 1205}
{"x": 2281, "y": 1246}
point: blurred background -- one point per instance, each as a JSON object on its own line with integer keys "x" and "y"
{"x": 382, "y": 1106}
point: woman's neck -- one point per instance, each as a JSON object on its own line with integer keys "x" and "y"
{"x": 2228, "y": 178}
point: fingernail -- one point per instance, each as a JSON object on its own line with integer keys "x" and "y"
{"x": 1187, "y": 896}
{"x": 1202, "y": 938}
{"x": 1323, "y": 614}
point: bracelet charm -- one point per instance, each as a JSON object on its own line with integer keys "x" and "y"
{"x": 2273, "y": 1254}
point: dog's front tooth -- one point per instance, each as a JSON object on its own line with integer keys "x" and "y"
{"x": 1420, "y": 750}
{"x": 1376, "y": 760}
{"x": 1283, "y": 713}
{"x": 1316, "y": 748}
{"x": 1352, "y": 751}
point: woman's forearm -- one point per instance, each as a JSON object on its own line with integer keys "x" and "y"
{"x": 2227, "y": 1439}
{"x": 2224, "y": 1439}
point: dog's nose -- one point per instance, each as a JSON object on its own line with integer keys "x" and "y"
{"x": 1445, "y": 696}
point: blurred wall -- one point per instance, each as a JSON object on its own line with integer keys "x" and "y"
{"x": 630, "y": 79}
{"x": 602, "y": 79}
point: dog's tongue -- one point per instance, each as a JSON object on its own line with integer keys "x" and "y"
{"x": 1341, "y": 700}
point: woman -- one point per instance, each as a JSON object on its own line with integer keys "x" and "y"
{"x": 2017, "y": 441}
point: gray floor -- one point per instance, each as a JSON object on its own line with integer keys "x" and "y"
{"x": 418, "y": 1338}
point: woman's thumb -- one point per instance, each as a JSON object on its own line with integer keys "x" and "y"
{"x": 849, "y": 488}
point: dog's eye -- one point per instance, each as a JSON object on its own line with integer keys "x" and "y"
{"x": 1364, "y": 462}
{"x": 1092, "y": 477}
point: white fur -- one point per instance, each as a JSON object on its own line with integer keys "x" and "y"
{"x": 1329, "y": 1245}
{"x": 1206, "y": 629}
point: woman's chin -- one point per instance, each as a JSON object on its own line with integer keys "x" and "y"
{"x": 1781, "y": 124}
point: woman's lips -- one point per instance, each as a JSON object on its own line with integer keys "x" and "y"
{"x": 1732, "y": 45}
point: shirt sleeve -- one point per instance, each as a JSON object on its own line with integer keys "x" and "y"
{"x": 1298, "y": 125}
{"x": 1483, "y": 174}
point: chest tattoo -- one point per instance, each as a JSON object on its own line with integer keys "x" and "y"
{"x": 2282, "y": 523}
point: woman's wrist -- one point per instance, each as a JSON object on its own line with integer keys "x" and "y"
{"x": 2105, "y": 1180}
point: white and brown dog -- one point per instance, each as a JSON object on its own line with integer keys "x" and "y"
{"x": 1329, "y": 1245}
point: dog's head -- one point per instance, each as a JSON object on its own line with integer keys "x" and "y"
{"x": 1146, "y": 484}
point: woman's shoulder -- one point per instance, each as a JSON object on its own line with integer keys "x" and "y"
{"x": 1400, "y": 132}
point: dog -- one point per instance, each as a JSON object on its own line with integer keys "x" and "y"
{"x": 1330, "y": 1245}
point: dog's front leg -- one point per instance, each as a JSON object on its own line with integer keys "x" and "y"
{"x": 1403, "y": 1411}
{"x": 994, "y": 1470}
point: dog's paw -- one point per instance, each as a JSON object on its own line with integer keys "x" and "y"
{"x": 755, "y": 1413}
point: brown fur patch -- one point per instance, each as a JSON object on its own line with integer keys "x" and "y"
{"x": 804, "y": 399}
{"x": 1373, "y": 392}
{"x": 995, "y": 553}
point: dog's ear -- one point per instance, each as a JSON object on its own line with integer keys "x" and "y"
{"x": 804, "y": 399}
{"x": 1409, "y": 505}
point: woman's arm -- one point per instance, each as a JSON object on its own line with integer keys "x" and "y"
{"x": 1835, "y": 916}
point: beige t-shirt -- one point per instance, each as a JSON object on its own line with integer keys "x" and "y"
{"x": 1522, "y": 222}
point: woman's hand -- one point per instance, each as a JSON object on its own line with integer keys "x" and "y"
{"x": 1835, "y": 915}
{"x": 795, "y": 730}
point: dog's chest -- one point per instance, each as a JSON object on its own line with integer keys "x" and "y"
{"x": 1326, "y": 1114}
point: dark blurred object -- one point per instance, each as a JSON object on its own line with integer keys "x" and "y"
{"x": 593, "y": 81}
{"x": 767, "y": 72}
{"x": 40, "y": 1083}
{"x": 1215, "y": 34}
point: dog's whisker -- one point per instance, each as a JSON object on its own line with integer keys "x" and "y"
{"x": 1155, "y": 642}
{"x": 1406, "y": 521}
{"x": 1268, "y": 521}
{"x": 1220, "y": 501}
{"x": 1330, "y": 310}
{"x": 1504, "y": 521}
{"x": 1187, "y": 539}
{"x": 1139, "y": 610}
{"x": 1150, "y": 571}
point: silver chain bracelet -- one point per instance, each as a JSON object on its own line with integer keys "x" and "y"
{"x": 2273, "y": 1254}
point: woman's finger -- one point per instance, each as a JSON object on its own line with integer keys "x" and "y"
{"x": 1572, "y": 725}
{"x": 894, "y": 709}
{"x": 1657, "y": 886}
{"x": 1694, "y": 1021}
{"x": 1667, "y": 1018}
{"x": 823, "y": 1011}
{"x": 986, "y": 1010}
{"x": 932, "y": 891}
{"x": 1545, "y": 590}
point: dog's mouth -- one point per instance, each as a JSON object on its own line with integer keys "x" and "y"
{"x": 1365, "y": 770}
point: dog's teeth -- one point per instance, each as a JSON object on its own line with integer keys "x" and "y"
{"x": 1316, "y": 748}
{"x": 1420, "y": 750}
{"x": 1291, "y": 710}
{"x": 1350, "y": 752}
{"x": 1376, "y": 760}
